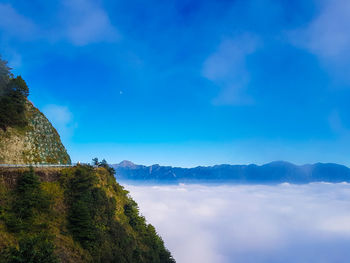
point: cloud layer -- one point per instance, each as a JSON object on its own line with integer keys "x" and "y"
{"x": 246, "y": 224}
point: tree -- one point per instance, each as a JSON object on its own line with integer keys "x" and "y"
{"x": 104, "y": 162}
{"x": 24, "y": 219}
{"x": 19, "y": 86}
{"x": 81, "y": 224}
{"x": 32, "y": 249}
{"x": 95, "y": 161}
{"x": 13, "y": 96}
{"x": 30, "y": 195}
{"x": 30, "y": 200}
{"x": 5, "y": 75}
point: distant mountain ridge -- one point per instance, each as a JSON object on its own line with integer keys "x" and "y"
{"x": 274, "y": 172}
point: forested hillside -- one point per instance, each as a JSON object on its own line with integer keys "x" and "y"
{"x": 78, "y": 214}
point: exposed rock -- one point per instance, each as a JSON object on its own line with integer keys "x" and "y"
{"x": 36, "y": 143}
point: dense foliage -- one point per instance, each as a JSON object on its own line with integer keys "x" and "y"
{"x": 92, "y": 222}
{"x": 27, "y": 203}
{"x": 13, "y": 94}
{"x": 84, "y": 216}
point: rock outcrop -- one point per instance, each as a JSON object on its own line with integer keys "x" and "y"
{"x": 36, "y": 143}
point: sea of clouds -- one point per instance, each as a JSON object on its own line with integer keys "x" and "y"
{"x": 250, "y": 223}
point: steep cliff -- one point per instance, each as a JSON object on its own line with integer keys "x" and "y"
{"x": 36, "y": 142}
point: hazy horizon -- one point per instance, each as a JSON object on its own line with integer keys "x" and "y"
{"x": 215, "y": 164}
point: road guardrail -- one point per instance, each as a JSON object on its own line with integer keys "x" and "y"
{"x": 37, "y": 165}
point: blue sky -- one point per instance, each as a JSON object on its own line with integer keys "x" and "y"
{"x": 187, "y": 82}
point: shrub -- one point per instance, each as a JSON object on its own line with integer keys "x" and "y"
{"x": 32, "y": 249}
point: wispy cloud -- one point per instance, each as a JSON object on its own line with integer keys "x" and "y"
{"x": 337, "y": 125}
{"x": 250, "y": 224}
{"x": 328, "y": 36}
{"x": 86, "y": 22}
{"x": 61, "y": 118}
{"x": 227, "y": 68}
{"x": 16, "y": 25}
{"x": 81, "y": 22}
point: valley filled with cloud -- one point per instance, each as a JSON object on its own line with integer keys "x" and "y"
{"x": 250, "y": 223}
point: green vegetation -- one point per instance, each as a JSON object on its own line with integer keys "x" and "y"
{"x": 78, "y": 214}
{"x": 13, "y": 94}
{"x": 83, "y": 216}
{"x": 31, "y": 249}
{"x": 28, "y": 200}
{"x": 26, "y": 135}
{"x": 27, "y": 203}
{"x": 103, "y": 164}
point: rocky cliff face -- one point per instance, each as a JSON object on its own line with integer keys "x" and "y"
{"x": 38, "y": 142}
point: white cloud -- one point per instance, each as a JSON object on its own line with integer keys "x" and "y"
{"x": 86, "y": 22}
{"x": 15, "y": 24}
{"x": 251, "y": 223}
{"x": 227, "y": 68}
{"x": 328, "y": 36}
{"x": 61, "y": 118}
{"x": 81, "y": 22}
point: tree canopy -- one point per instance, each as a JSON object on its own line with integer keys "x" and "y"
{"x": 13, "y": 95}
{"x": 5, "y": 75}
